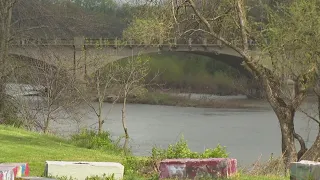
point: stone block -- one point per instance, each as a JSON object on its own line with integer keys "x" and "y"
{"x": 22, "y": 169}
{"x": 81, "y": 170}
{"x": 198, "y": 168}
{"x": 304, "y": 170}
{"x": 7, "y": 173}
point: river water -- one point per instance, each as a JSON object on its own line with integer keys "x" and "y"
{"x": 247, "y": 133}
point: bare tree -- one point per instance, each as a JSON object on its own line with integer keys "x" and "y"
{"x": 131, "y": 79}
{"x": 5, "y": 27}
{"x": 285, "y": 41}
{"x": 57, "y": 97}
{"x": 102, "y": 86}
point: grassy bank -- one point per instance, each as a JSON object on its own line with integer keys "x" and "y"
{"x": 18, "y": 145}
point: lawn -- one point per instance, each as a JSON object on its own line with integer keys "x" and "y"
{"x": 22, "y": 146}
{"x": 18, "y": 145}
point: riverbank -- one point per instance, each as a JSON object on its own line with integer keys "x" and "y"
{"x": 19, "y": 145}
{"x": 185, "y": 100}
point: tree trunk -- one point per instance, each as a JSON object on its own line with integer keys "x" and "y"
{"x": 5, "y": 22}
{"x": 285, "y": 116}
{"x": 313, "y": 154}
{"x": 46, "y": 124}
{"x": 125, "y": 145}
{"x": 303, "y": 148}
{"x": 100, "y": 119}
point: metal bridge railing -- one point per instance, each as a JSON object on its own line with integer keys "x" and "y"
{"x": 119, "y": 42}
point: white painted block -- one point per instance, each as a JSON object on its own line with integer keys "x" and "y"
{"x": 81, "y": 170}
{"x": 305, "y": 170}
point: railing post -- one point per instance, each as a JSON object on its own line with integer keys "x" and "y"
{"x": 175, "y": 42}
{"x": 130, "y": 43}
{"x": 116, "y": 43}
{"x": 204, "y": 42}
{"x": 100, "y": 42}
{"x": 57, "y": 41}
{"x": 219, "y": 43}
{"x": 160, "y": 41}
{"x": 189, "y": 42}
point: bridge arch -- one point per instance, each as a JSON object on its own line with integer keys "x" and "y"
{"x": 79, "y": 57}
{"x": 33, "y": 71}
{"x": 231, "y": 59}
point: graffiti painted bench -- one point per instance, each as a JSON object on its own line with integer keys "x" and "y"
{"x": 198, "y": 168}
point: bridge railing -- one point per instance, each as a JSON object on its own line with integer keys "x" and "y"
{"x": 27, "y": 42}
{"x": 116, "y": 42}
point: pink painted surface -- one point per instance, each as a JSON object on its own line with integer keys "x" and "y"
{"x": 7, "y": 173}
{"x": 197, "y": 168}
{"x": 22, "y": 167}
{"x": 13, "y": 168}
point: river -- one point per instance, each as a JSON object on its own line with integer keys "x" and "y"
{"x": 247, "y": 133}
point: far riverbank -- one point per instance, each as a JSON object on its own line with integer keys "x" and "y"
{"x": 195, "y": 100}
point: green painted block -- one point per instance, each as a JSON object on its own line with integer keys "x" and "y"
{"x": 305, "y": 170}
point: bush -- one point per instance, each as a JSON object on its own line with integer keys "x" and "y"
{"x": 136, "y": 167}
{"x": 92, "y": 140}
{"x": 9, "y": 113}
{"x": 181, "y": 150}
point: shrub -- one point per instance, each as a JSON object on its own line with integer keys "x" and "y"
{"x": 9, "y": 113}
{"x": 181, "y": 150}
{"x": 92, "y": 140}
{"x": 135, "y": 167}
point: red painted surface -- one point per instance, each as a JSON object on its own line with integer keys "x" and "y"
{"x": 27, "y": 170}
{"x": 197, "y": 168}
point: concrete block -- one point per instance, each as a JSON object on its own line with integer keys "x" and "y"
{"x": 81, "y": 170}
{"x": 305, "y": 170}
{"x": 7, "y": 173}
{"x": 198, "y": 168}
{"x": 22, "y": 168}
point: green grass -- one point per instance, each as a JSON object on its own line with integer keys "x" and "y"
{"x": 22, "y": 146}
{"x": 18, "y": 145}
{"x": 244, "y": 177}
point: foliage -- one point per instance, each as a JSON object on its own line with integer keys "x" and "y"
{"x": 9, "y": 113}
{"x": 290, "y": 37}
{"x": 137, "y": 167}
{"x": 193, "y": 73}
{"x": 147, "y": 31}
{"x": 152, "y": 24}
{"x": 92, "y": 140}
{"x": 181, "y": 150}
